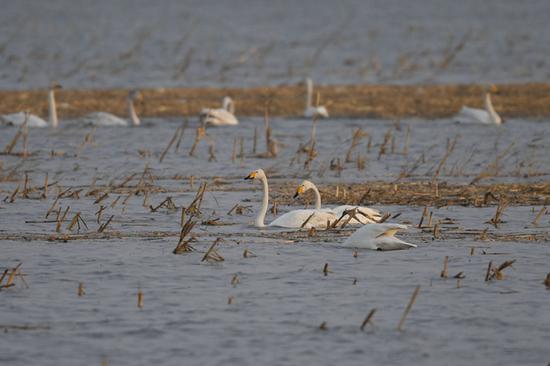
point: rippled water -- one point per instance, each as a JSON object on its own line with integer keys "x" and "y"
{"x": 205, "y": 43}
{"x": 282, "y": 296}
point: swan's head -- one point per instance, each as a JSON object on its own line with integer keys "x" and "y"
{"x": 134, "y": 94}
{"x": 305, "y": 186}
{"x": 55, "y": 86}
{"x": 322, "y": 111}
{"x": 256, "y": 174}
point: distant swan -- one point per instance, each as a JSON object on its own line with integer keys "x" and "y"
{"x": 378, "y": 237}
{"x": 224, "y": 116}
{"x": 292, "y": 219}
{"x": 17, "y": 119}
{"x": 486, "y": 116}
{"x": 108, "y": 119}
{"x": 310, "y": 110}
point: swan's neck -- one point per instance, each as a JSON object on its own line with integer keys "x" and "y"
{"x": 228, "y": 106}
{"x": 132, "y": 111}
{"x": 265, "y": 201}
{"x": 52, "y": 109}
{"x": 317, "y": 198}
{"x": 490, "y": 109}
{"x": 309, "y": 85}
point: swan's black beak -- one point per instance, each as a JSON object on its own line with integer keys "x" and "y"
{"x": 250, "y": 176}
{"x": 296, "y": 195}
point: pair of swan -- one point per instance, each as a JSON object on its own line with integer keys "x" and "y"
{"x": 94, "y": 119}
{"x": 224, "y": 116}
{"x": 292, "y": 219}
{"x": 371, "y": 236}
{"x": 311, "y": 111}
{"x": 486, "y": 116}
{"x": 366, "y": 215}
{"x": 18, "y": 119}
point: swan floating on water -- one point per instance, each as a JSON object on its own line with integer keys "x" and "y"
{"x": 292, "y": 219}
{"x": 310, "y": 110}
{"x": 17, "y": 119}
{"x": 366, "y": 215}
{"x": 486, "y": 116}
{"x": 108, "y": 119}
{"x": 224, "y": 116}
{"x": 378, "y": 237}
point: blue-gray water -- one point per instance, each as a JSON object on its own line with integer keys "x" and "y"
{"x": 127, "y": 43}
{"x": 282, "y": 296}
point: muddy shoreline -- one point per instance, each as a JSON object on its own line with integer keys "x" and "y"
{"x": 530, "y": 100}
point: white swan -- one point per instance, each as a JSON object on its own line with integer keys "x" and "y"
{"x": 17, "y": 119}
{"x": 378, "y": 237}
{"x": 224, "y": 116}
{"x": 310, "y": 110}
{"x": 366, "y": 215}
{"x": 292, "y": 219}
{"x": 486, "y": 116}
{"x": 108, "y": 119}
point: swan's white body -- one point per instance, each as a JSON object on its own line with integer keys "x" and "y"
{"x": 378, "y": 237}
{"x": 224, "y": 116}
{"x": 369, "y": 215}
{"x": 107, "y": 119}
{"x": 310, "y": 110}
{"x": 292, "y": 219}
{"x": 486, "y": 116}
{"x": 17, "y": 119}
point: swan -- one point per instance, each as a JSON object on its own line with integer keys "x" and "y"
{"x": 310, "y": 110}
{"x": 108, "y": 119}
{"x": 378, "y": 237}
{"x": 486, "y": 116}
{"x": 368, "y": 215}
{"x": 224, "y": 116}
{"x": 17, "y": 119}
{"x": 292, "y": 219}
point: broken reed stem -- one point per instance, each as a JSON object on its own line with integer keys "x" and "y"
{"x": 445, "y": 271}
{"x": 104, "y": 225}
{"x": 408, "y": 308}
{"x": 81, "y": 291}
{"x": 199, "y": 135}
{"x": 140, "y": 299}
{"x": 255, "y": 142}
{"x": 180, "y": 137}
{"x": 405, "y": 151}
{"x": 450, "y": 148}
{"x": 368, "y": 319}
{"x": 234, "y": 151}
{"x": 212, "y": 254}
{"x": 358, "y": 134}
{"x": 387, "y": 138}
{"x": 45, "y": 193}
{"x": 539, "y": 215}
{"x": 172, "y": 140}
{"x": 488, "y": 273}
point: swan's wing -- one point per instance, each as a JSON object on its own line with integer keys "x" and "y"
{"x": 316, "y": 111}
{"x": 393, "y": 244}
{"x": 468, "y": 114}
{"x": 378, "y": 237}
{"x": 219, "y": 117}
{"x": 17, "y": 119}
{"x": 295, "y": 219}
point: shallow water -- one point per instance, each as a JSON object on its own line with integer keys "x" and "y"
{"x": 282, "y": 296}
{"x": 127, "y": 43}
